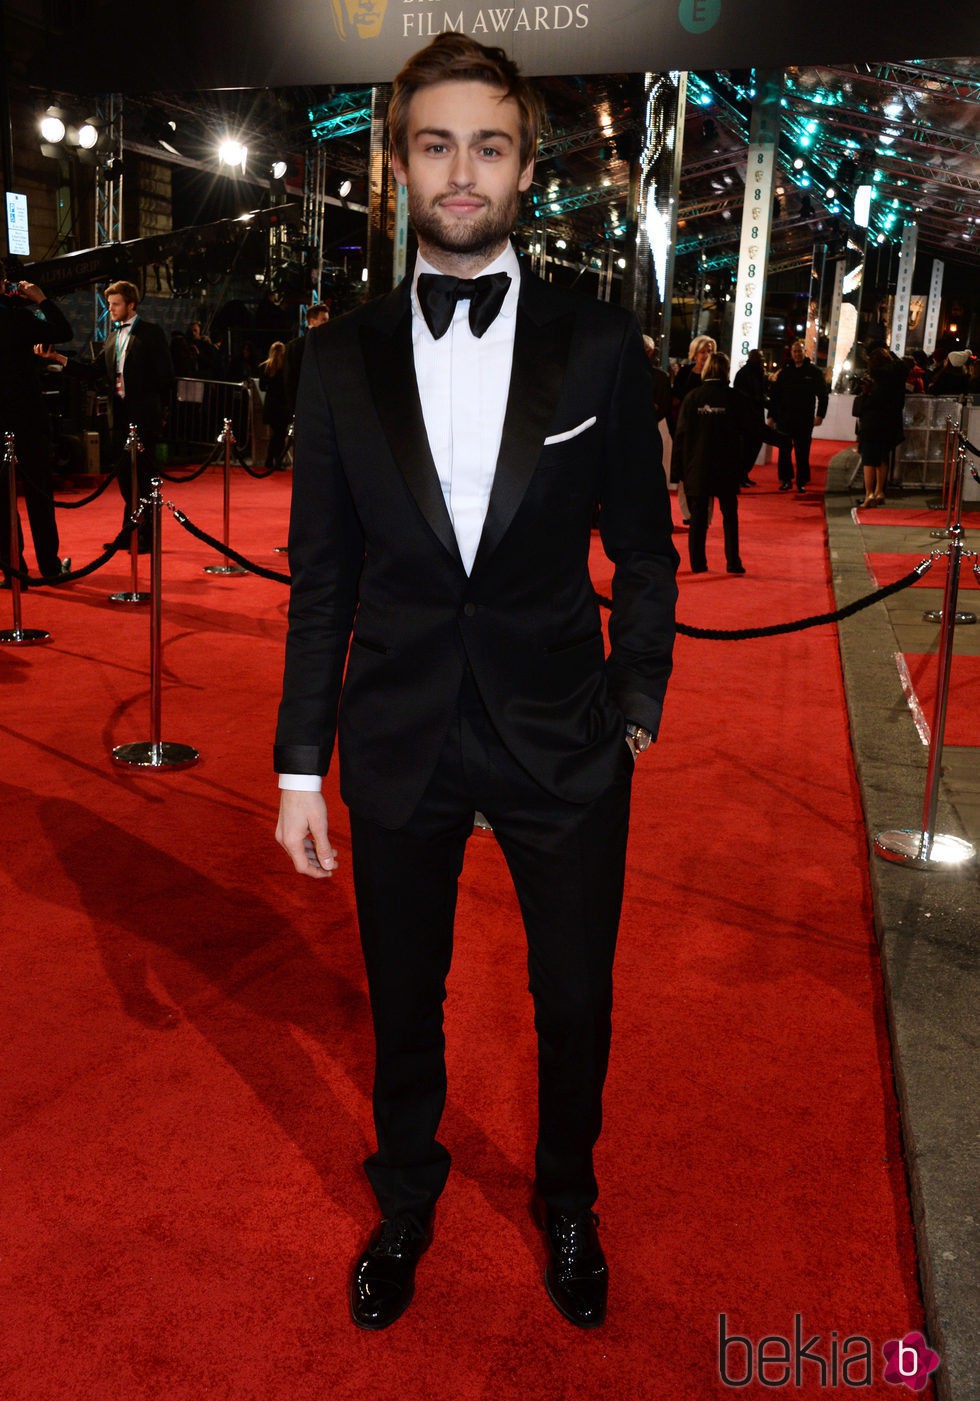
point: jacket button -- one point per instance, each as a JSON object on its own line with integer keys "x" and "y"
{"x": 469, "y": 609}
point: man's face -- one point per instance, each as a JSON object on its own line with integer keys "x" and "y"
{"x": 464, "y": 175}
{"x": 797, "y": 353}
{"x": 119, "y": 308}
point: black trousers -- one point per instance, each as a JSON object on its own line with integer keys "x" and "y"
{"x": 798, "y": 442}
{"x": 34, "y": 473}
{"x": 567, "y": 862}
{"x": 149, "y": 436}
{"x": 698, "y": 532}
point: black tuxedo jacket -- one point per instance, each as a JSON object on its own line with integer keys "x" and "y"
{"x": 376, "y": 570}
{"x": 147, "y": 376}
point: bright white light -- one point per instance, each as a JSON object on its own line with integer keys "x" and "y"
{"x": 52, "y": 129}
{"x": 862, "y": 206}
{"x": 364, "y": 276}
{"x": 620, "y": 262}
{"x": 345, "y": 188}
{"x": 233, "y": 153}
{"x": 658, "y": 237}
{"x": 560, "y": 243}
{"x": 279, "y": 169}
{"x": 87, "y": 136}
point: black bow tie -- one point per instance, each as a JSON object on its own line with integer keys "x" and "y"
{"x": 438, "y": 297}
{"x": 120, "y": 325}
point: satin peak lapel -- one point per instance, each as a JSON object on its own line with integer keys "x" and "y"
{"x": 390, "y": 364}
{"x": 537, "y": 376}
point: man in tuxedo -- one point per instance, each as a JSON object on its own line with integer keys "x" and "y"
{"x": 452, "y": 441}
{"x": 138, "y": 365}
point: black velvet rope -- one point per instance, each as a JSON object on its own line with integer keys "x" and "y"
{"x": 227, "y": 551}
{"x": 774, "y": 629}
{"x": 53, "y": 580}
{"x": 86, "y": 500}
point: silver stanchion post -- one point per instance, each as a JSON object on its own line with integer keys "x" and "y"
{"x": 134, "y": 448}
{"x": 957, "y": 477}
{"x": 946, "y": 504}
{"x": 928, "y": 849}
{"x": 227, "y": 437}
{"x": 17, "y": 636}
{"x": 157, "y": 753}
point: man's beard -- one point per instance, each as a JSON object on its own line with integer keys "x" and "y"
{"x": 484, "y": 233}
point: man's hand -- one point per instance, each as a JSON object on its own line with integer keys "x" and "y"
{"x": 31, "y": 291}
{"x": 302, "y": 833}
{"x": 817, "y": 421}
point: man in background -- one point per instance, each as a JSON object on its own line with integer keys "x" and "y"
{"x": 316, "y": 315}
{"x": 797, "y": 404}
{"x": 28, "y": 319}
{"x": 138, "y": 365}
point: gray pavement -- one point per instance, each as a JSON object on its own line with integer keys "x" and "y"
{"x": 927, "y": 921}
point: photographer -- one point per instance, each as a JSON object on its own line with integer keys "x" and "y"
{"x": 28, "y": 319}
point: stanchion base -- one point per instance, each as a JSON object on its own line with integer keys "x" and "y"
{"x": 146, "y": 755}
{"x": 914, "y": 849}
{"x": 24, "y": 637}
{"x": 130, "y": 597}
{"x": 935, "y": 615}
{"x": 224, "y": 569}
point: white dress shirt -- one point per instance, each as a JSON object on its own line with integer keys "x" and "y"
{"x": 123, "y": 330}
{"x": 463, "y": 385}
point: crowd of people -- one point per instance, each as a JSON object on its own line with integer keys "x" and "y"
{"x": 714, "y": 430}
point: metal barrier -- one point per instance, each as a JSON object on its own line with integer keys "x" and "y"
{"x": 199, "y": 408}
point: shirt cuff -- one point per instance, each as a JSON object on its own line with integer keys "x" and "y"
{"x": 300, "y": 782}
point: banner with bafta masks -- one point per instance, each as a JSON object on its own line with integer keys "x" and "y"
{"x": 231, "y": 43}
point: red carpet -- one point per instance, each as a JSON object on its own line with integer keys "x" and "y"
{"x": 186, "y": 1081}
{"x": 886, "y": 568}
{"x": 963, "y": 705}
{"x": 912, "y": 519}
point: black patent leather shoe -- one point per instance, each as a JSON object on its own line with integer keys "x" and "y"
{"x": 383, "y": 1282}
{"x": 576, "y": 1276}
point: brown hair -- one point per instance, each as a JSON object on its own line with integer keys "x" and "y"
{"x": 717, "y": 367}
{"x": 457, "y": 58}
{"x": 123, "y": 289}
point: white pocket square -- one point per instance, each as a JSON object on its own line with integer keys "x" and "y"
{"x": 572, "y": 432}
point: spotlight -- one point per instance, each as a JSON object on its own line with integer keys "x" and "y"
{"x": 344, "y": 188}
{"x": 88, "y": 135}
{"x": 278, "y": 169}
{"x": 161, "y": 130}
{"x": 232, "y": 152}
{"x": 830, "y": 192}
{"x": 52, "y": 129}
{"x": 799, "y": 163}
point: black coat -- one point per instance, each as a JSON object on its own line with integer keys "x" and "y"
{"x": 879, "y": 407}
{"x": 706, "y": 455}
{"x": 21, "y": 329}
{"x": 147, "y": 376}
{"x": 370, "y": 535}
{"x": 798, "y": 396}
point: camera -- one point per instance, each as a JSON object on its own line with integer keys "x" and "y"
{"x": 11, "y": 289}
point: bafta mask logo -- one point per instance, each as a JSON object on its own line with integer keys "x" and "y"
{"x": 362, "y": 18}
{"x": 697, "y": 16}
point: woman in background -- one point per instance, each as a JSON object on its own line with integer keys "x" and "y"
{"x": 878, "y": 410}
{"x": 272, "y": 382}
